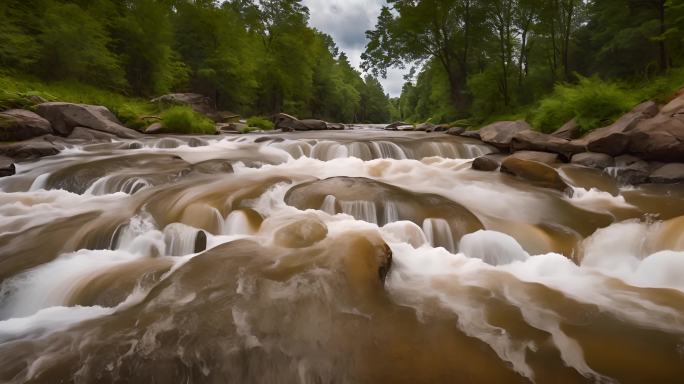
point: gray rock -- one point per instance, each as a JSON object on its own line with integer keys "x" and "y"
{"x": 456, "y": 131}
{"x": 335, "y": 126}
{"x": 82, "y": 133}
{"x": 425, "y": 127}
{"x": 29, "y": 149}
{"x": 568, "y": 131}
{"x": 288, "y": 123}
{"x": 630, "y": 170}
{"x": 500, "y": 134}
{"x": 593, "y": 160}
{"x": 662, "y": 137}
{"x": 20, "y": 124}
{"x": 64, "y": 117}
{"x": 6, "y": 166}
{"x": 668, "y": 174}
{"x": 471, "y": 134}
{"x": 154, "y": 128}
{"x": 395, "y": 125}
{"x": 486, "y": 163}
{"x": 615, "y": 139}
{"x": 537, "y": 141}
{"x": 541, "y": 157}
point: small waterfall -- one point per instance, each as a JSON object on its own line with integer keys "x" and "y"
{"x": 328, "y": 205}
{"x": 361, "y": 210}
{"x": 328, "y": 150}
{"x": 387, "y": 150}
{"x": 237, "y": 223}
{"x": 181, "y": 239}
{"x": 359, "y": 150}
{"x": 39, "y": 182}
{"x": 391, "y": 212}
{"x": 438, "y": 233}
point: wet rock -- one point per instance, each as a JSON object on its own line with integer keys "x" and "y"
{"x": 168, "y": 142}
{"x": 263, "y": 139}
{"x": 87, "y": 134}
{"x": 154, "y": 128}
{"x": 30, "y": 149}
{"x": 662, "y": 137}
{"x": 614, "y": 139}
{"x": 199, "y": 103}
{"x": 541, "y": 157}
{"x": 456, "y": 131}
{"x": 568, "y": 131}
{"x": 472, "y": 134}
{"x": 200, "y": 242}
{"x": 196, "y": 142}
{"x": 288, "y": 123}
{"x": 64, "y": 117}
{"x": 6, "y": 166}
{"x": 537, "y": 141}
{"x": 335, "y": 126}
{"x": 500, "y": 134}
{"x": 630, "y": 170}
{"x": 395, "y": 125}
{"x": 486, "y": 163}
{"x": 538, "y": 173}
{"x": 301, "y": 233}
{"x": 20, "y": 124}
{"x": 593, "y": 160}
{"x": 668, "y": 174}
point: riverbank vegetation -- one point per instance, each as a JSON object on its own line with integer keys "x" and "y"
{"x": 544, "y": 60}
{"x": 251, "y": 57}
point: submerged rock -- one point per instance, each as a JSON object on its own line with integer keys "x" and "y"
{"x": 537, "y": 172}
{"x": 301, "y": 233}
{"x": 486, "y": 163}
{"x": 20, "y": 124}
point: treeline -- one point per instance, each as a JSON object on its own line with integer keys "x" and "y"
{"x": 477, "y": 58}
{"x": 251, "y": 57}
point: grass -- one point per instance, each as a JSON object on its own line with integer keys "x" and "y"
{"x": 260, "y": 123}
{"x": 184, "y": 120}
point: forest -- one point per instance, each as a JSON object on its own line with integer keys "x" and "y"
{"x": 250, "y": 57}
{"x": 544, "y": 60}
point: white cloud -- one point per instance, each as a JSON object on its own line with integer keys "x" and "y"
{"x": 347, "y": 22}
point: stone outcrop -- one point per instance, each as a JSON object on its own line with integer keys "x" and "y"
{"x": 456, "y": 131}
{"x": 542, "y": 157}
{"x": 668, "y": 174}
{"x": 396, "y": 124}
{"x": 614, "y": 139}
{"x": 288, "y": 123}
{"x": 500, "y": 134}
{"x": 593, "y": 160}
{"x": 64, "y": 117}
{"x": 568, "y": 131}
{"x": 661, "y": 138}
{"x": 537, "y": 141}
{"x": 486, "y": 163}
{"x": 20, "y": 124}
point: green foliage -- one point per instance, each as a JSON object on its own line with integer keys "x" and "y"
{"x": 593, "y": 103}
{"x": 260, "y": 123}
{"x": 184, "y": 120}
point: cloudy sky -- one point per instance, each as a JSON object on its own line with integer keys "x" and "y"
{"x": 347, "y": 21}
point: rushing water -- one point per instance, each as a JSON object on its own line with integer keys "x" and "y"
{"x": 332, "y": 257}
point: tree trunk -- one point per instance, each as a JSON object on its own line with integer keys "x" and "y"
{"x": 661, "y": 43}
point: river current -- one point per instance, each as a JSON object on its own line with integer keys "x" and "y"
{"x": 360, "y": 256}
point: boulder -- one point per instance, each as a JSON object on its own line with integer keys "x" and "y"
{"x": 486, "y": 163}
{"x": 396, "y": 124}
{"x": 288, "y": 123}
{"x": 568, "y": 131}
{"x": 501, "y": 133}
{"x": 668, "y": 174}
{"x": 64, "y": 117}
{"x": 6, "y": 166}
{"x": 20, "y": 124}
{"x": 538, "y": 173}
{"x": 438, "y": 128}
{"x": 615, "y": 139}
{"x": 472, "y": 134}
{"x": 537, "y": 141}
{"x": 456, "y": 131}
{"x": 154, "y": 129}
{"x": 593, "y": 160}
{"x": 541, "y": 157}
{"x": 82, "y": 133}
{"x": 425, "y": 127}
{"x": 630, "y": 170}
{"x": 29, "y": 149}
{"x": 335, "y": 126}
{"x": 199, "y": 103}
{"x": 662, "y": 137}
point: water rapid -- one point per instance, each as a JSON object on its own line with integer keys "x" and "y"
{"x": 332, "y": 257}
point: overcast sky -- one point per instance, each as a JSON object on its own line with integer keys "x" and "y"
{"x": 347, "y": 21}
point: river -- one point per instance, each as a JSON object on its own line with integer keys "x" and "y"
{"x": 361, "y": 256}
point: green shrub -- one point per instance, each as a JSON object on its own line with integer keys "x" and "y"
{"x": 261, "y": 123}
{"x": 247, "y": 129}
{"x": 592, "y": 102}
{"x": 186, "y": 121}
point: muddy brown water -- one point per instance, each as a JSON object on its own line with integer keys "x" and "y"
{"x": 360, "y": 256}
